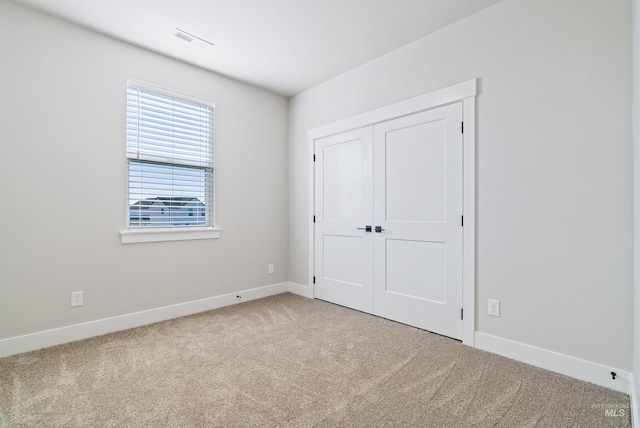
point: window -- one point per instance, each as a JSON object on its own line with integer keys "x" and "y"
{"x": 170, "y": 161}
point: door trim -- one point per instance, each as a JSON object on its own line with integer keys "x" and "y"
{"x": 464, "y": 92}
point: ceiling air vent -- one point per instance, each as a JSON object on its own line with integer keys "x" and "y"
{"x": 190, "y": 38}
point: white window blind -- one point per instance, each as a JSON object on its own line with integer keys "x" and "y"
{"x": 170, "y": 161}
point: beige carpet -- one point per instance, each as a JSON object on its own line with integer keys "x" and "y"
{"x": 287, "y": 361}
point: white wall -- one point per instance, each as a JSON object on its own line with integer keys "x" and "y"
{"x": 62, "y": 181}
{"x": 554, "y": 169}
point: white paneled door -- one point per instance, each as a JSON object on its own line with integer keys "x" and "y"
{"x": 418, "y": 206}
{"x": 343, "y": 205}
{"x": 403, "y": 178}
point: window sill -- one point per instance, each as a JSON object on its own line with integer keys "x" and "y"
{"x": 157, "y": 235}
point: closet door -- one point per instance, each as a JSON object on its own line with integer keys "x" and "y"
{"x": 418, "y": 208}
{"x": 343, "y": 209}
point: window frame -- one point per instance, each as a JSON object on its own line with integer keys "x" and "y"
{"x": 174, "y": 233}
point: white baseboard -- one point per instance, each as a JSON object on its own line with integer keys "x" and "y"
{"x": 556, "y": 362}
{"x": 301, "y": 290}
{"x": 57, "y": 336}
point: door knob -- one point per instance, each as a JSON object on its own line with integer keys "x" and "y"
{"x": 366, "y": 228}
{"x": 379, "y": 229}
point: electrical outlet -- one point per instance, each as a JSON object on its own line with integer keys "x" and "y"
{"x": 76, "y": 298}
{"x": 494, "y": 307}
{"x": 270, "y": 268}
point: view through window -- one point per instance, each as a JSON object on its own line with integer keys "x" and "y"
{"x": 170, "y": 159}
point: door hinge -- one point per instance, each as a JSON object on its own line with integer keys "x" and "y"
{"x": 314, "y": 219}
{"x": 461, "y": 313}
{"x": 314, "y": 157}
{"x": 462, "y": 127}
{"x": 314, "y": 279}
{"x": 462, "y": 220}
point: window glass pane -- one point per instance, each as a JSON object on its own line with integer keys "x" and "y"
{"x": 168, "y": 195}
